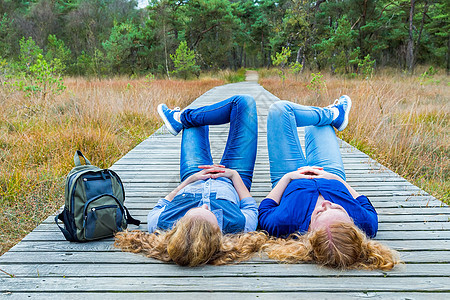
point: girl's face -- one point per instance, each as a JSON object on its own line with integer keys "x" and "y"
{"x": 327, "y": 214}
{"x": 203, "y": 212}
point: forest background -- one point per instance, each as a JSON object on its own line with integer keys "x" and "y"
{"x": 110, "y": 37}
{"x": 87, "y": 74}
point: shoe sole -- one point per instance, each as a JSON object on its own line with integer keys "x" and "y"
{"x": 345, "y": 123}
{"x": 166, "y": 121}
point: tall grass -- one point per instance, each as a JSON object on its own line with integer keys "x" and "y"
{"x": 227, "y": 75}
{"x": 401, "y": 121}
{"x": 104, "y": 119}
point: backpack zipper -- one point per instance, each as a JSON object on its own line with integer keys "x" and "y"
{"x": 98, "y": 197}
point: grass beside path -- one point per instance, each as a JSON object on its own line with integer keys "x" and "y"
{"x": 105, "y": 119}
{"x": 401, "y": 121}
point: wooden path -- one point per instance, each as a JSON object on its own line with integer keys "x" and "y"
{"x": 417, "y": 225}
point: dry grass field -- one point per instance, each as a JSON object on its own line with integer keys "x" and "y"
{"x": 401, "y": 121}
{"x": 105, "y": 119}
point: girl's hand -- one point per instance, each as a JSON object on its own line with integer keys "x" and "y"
{"x": 207, "y": 172}
{"x": 316, "y": 172}
{"x": 297, "y": 175}
{"x": 310, "y": 170}
{"x": 216, "y": 171}
{"x": 205, "y": 167}
{"x": 201, "y": 175}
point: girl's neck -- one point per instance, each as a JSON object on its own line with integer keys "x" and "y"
{"x": 320, "y": 200}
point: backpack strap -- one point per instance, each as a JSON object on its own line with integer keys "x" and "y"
{"x": 130, "y": 219}
{"x": 66, "y": 233}
{"x": 76, "y": 159}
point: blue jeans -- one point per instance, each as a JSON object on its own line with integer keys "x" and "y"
{"x": 240, "y": 150}
{"x": 285, "y": 152}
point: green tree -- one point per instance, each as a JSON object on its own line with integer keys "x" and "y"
{"x": 435, "y": 43}
{"x": 268, "y": 28}
{"x": 184, "y": 61}
{"x": 44, "y": 79}
{"x": 164, "y": 26}
{"x": 29, "y": 53}
{"x": 91, "y": 65}
{"x": 281, "y": 59}
{"x": 57, "y": 49}
{"x": 88, "y": 23}
{"x": 122, "y": 48}
{"x": 365, "y": 67}
{"x": 39, "y": 21}
{"x": 295, "y": 68}
{"x": 297, "y": 30}
{"x": 209, "y": 29}
{"x": 7, "y": 36}
{"x": 35, "y": 75}
{"x": 317, "y": 84}
{"x": 339, "y": 49}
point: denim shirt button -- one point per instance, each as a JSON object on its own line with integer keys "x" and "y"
{"x": 183, "y": 195}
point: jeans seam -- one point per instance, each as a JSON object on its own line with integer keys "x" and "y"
{"x": 235, "y": 128}
{"x": 230, "y": 132}
{"x": 296, "y": 137}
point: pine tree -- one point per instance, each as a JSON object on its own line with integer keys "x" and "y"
{"x": 184, "y": 61}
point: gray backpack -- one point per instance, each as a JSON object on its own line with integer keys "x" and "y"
{"x": 94, "y": 203}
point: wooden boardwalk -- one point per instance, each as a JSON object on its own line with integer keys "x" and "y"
{"x": 417, "y": 225}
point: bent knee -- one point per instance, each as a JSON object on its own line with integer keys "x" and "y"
{"x": 245, "y": 100}
{"x": 279, "y": 107}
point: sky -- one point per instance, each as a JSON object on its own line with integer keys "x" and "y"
{"x": 142, "y": 3}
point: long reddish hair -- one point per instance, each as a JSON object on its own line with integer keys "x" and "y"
{"x": 340, "y": 245}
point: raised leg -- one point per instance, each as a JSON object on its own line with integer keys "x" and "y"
{"x": 195, "y": 151}
{"x": 285, "y": 153}
{"x": 240, "y": 151}
{"x": 322, "y": 149}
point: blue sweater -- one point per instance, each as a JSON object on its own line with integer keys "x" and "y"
{"x": 299, "y": 199}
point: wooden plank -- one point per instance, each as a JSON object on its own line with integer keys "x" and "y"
{"x": 106, "y": 245}
{"x": 263, "y": 190}
{"x": 399, "y": 215}
{"x": 149, "y": 162}
{"x": 356, "y": 169}
{"x": 258, "y": 167}
{"x": 384, "y": 235}
{"x": 426, "y": 200}
{"x": 112, "y": 255}
{"x": 149, "y": 203}
{"x": 256, "y": 179}
{"x": 391, "y": 209}
{"x": 173, "y": 178}
{"x": 230, "y": 295}
{"x": 420, "y": 226}
{"x": 265, "y": 187}
{"x": 142, "y": 215}
{"x": 242, "y": 284}
{"x": 241, "y": 270}
{"x": 368, "y": 194}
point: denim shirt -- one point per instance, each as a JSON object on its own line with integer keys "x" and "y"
{"x": 221, "y": 197}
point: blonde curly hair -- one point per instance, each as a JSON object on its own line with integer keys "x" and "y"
{"x": 192, "y": 242}
{"x": 340, "y": 245}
